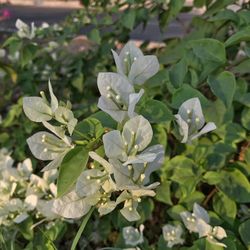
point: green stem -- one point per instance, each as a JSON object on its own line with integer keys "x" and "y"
{"x": 80, "y": 231}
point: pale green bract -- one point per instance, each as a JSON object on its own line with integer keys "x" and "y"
{"x": 190, "y": 120}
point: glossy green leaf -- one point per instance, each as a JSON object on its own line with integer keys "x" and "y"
{"x": 72, "y": 166}
{"x": 156, "y": 111}
{"x": 223, "y": 86}
{"x": 244, "y": 230}
{"x": 235, "y": 185}
{"x": 225, "y": 207}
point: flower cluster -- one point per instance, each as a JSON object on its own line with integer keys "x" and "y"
{"x": 172, "y": 234}
{"x": 197, "y": 222}
{"x": 44, "y": 145}
{"x": 190, "y": 120}
{"x": 23, "y": 193}
{"x": 118, "y": 97}
{"x": 123, "y": 177}
{"x": 133, "y": 237}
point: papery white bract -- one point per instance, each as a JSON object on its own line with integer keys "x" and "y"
{"x": 172, "y": 234}
{"x": 198, "y": 222}
{"x": 132, "y": 236}
{"x": 190, "y": 120}
{"x": 24, "y": 31}
{"x": 132, "y": 63}
{"x": 118, "y": 97}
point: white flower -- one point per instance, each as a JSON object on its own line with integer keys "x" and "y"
{"x": 198, "y": 222}
{"x": 172, "y": 234}
{"x": 190, "y": 120}
{"x": 191, "y": 220}
{"x": 133, "y": 236}
{"x": 118, "y": 97}
{"x": 133, "y": 64}
{"x": 2, "y": 53}
{"x": 24, "y": 31}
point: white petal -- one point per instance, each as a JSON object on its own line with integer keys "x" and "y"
{"x": 207, "y": 128}
{"x": 70, "y": 206}
{"x": 36, "y": 109}
{"x": 183, "y": 128}
{"x": 137, "y": 131}
{"x": 54, "y": 101}
{"x": 200, "y": 213}
{"x": 143, "y": 68}
{"x": 114, "y": 145}
{"x": 133, "y": 100}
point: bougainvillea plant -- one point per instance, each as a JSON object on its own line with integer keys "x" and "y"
{"x": 121, "y": 160}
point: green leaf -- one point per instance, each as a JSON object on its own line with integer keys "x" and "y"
{"x": 128, "y": 19}
{"x": 178, "y": 72}
{"x": 174, "y": 7}
{"x": 245, "y": 118}
{"x": 77, "y": 82}
{"x": 163, "y": 193}
{"x": 27, "y": 54}
{"x": 223, "y": 86}
{"x": 225, "y": 207}
{"x": 236, "y": 185}
{"x": 244, "y": 230}
{"x": 72, "y": 166}
{"x": 184, "y": 93}
{"x": 156, "y": 111}
{"x": 209, "y": 50}
{"x": 105, "y": 119}
{"x": 90, "y": 128}
{"x": 185, "y": 172}
{"x": 217, "y": 6}
{"x": 231, "y": 133}
{"x": 215, "y": 161}
{"x": 212, "y": 177}
{"x": 26, "y": 229}
{"x": 199, "y": 3}
{"x": 245, "y": 99}
{"x": 242, "y": 35}
{"x": 242, "y": 68}
{"x": 174, "y": 211}
{"x": 95, "y": 36}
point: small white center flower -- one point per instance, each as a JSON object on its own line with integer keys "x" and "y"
{"x": 118, "y": 97}
{"x": 142, "y": 177}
